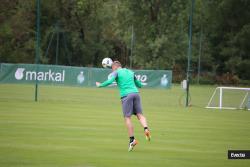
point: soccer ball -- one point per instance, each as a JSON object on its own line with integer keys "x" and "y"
{"x": 107, "y": 62}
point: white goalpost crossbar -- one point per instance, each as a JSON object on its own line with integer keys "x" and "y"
{"x": 220, "y": 106}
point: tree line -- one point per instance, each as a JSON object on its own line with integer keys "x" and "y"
{"x": 144, "y": 34}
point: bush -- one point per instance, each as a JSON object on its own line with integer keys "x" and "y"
{"x": 205, "y": 78}
{"x": 245, "y": 83}
{"x": 227, "y": 79}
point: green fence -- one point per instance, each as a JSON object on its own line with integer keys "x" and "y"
{"x": 75, "y": 76}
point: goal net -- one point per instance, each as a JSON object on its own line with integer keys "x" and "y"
{"x": 230, "y": 98}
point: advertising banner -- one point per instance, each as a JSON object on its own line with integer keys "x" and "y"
{"x": 75, "y": 76}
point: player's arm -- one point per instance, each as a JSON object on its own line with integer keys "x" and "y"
{"x": 107, "y": 82}
{"x": 137, "y": 82}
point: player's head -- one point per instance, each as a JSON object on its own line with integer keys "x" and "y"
{"x": 116, "y": 65}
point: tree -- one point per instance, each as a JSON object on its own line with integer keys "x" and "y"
{"x": 90, "y": 30}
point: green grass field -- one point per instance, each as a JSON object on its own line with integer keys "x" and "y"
{"x": 83, "y": 127}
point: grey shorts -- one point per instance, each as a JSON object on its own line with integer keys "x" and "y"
{"x": 131, "y": 104}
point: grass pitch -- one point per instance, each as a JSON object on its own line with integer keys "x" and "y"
{"x": 83, "y": 127}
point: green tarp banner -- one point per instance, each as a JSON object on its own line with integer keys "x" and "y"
{"x": 75, "y": 76}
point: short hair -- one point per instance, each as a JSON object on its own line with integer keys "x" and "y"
{"x": 117, "y": 63}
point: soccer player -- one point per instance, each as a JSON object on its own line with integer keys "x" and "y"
{"x": 131, "y": 102}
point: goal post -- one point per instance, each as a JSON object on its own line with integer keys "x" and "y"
{"x": 230, "y": 98}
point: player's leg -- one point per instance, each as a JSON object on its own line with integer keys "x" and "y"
{"x": 127, "y": 107}
{"x": 142, "y": 119}
{"x": 130, "y": 128}
{"x": 143, "y": 122}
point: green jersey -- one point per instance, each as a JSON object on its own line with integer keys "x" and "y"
{"x": 126, "y": 81}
